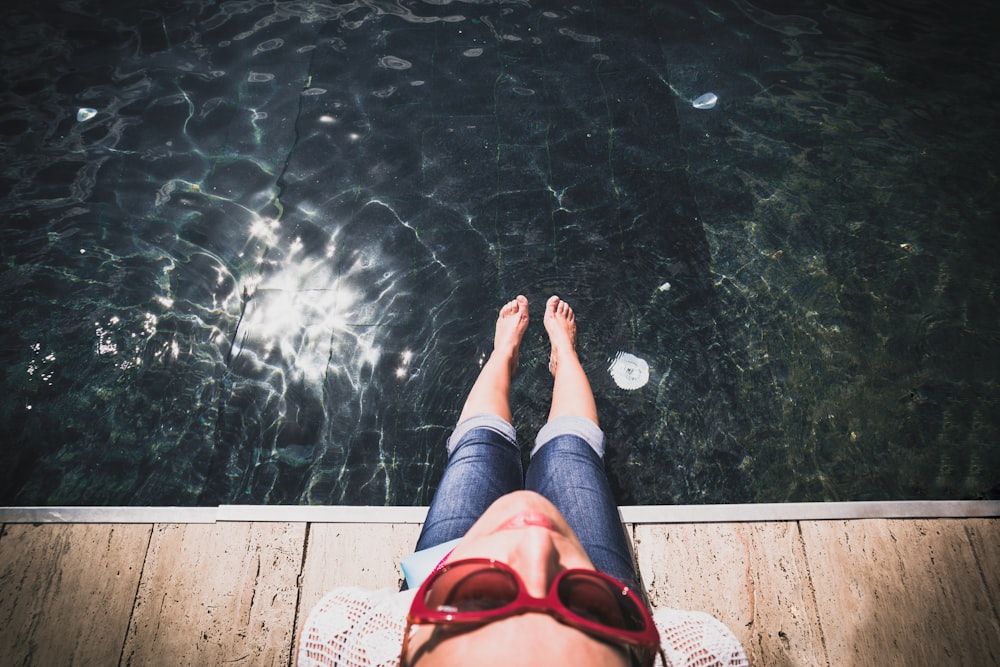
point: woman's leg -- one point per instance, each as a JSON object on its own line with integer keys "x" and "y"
{"x": 484, "y": 461}
{"x": 567, "y": 464}
{"x": 571, "y": 393}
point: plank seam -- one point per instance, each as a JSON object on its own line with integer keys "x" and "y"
{"x": 298, "y": 596}
{"x": 135, "y": 595}
{"x": 811, "y": 587}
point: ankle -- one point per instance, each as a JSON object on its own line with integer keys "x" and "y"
{"x": 564, "y": 356}
{"x": 504, "y": 353}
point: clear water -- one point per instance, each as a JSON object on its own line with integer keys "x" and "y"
{"x": 266, "y": 270}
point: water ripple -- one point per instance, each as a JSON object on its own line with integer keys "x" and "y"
{"x": 271, "y": 261}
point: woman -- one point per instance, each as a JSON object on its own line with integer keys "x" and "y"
{"x": 543, "y": 573}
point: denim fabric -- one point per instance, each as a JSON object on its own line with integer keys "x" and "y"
{"x": 568, "y": 472}
{"x": 483, "y": 466}
{"x": 572, "y": 425}
{"x": 483, "y": 420}
{"x": 565, "y": 467}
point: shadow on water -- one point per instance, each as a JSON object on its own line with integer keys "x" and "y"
{"x": 267, "y": 268}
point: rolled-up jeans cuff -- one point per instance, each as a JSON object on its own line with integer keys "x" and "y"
{"x": 581, "y": 427}
{"x": 484, "y": 420}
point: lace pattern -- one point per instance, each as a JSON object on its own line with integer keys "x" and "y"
{"x": 355, "y": 627}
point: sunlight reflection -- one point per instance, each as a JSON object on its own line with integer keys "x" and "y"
{"x": 299, "y": 319}
{"x": 264, "y": 229}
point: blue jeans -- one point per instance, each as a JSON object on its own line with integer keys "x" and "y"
{"x": 566, "y": 467}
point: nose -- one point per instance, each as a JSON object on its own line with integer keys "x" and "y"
{"x": 536, "y": 560}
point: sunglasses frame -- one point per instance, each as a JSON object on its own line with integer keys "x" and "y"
{"x": 644, "y": 643}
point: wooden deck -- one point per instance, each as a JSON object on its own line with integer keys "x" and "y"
{"x": 835, "y": 592}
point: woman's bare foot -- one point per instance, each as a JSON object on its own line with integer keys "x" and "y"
{"x": 511, "y": 324}
{"x": 560, "y": 323}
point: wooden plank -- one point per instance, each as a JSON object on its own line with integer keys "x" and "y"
{"x": 342, "y": 554}
{"x": 901, "y": 592}
{"x": 984, "y": 536}
{"x": 66, "y": 592}
{"x": 752, "y": 577}
{"x": 887, "y": 592}
{"x": 217, "y": 594}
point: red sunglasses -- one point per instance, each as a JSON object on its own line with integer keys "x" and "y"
{"x": 478, "y": 591}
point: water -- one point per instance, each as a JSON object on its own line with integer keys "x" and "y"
{"x": 706, "y": 101}
{"x": 267, "y": 268}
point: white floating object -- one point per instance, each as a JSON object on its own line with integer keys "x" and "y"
{"x": 629, "y": 371}
{"x": 85, "y": 113}
{"x": 665, "y": 287}
{"x": 706, "y": 101}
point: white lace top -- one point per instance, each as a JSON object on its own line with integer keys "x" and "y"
{"x": 354, "y": 627}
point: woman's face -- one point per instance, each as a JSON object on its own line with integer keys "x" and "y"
{"x": 527, "y": 532}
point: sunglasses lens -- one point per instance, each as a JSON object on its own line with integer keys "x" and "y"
{"x": 471, "y": 588}
{"x": 600, "y": 601}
